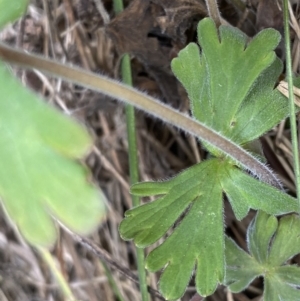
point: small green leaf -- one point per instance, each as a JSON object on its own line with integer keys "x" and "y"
{"x": 231, "y": 83}
{"x": 270, "y": 247}
{"x": 11, "y": 10}
{"x": 39, "y": 176}
{"x": 245, "y": 192}
{"x": 196, "y": 242}
{"x": 162, "y": 214}
{"x": 198, "y": 239}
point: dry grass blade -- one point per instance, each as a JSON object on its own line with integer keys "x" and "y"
{"x": 283, "y": 88}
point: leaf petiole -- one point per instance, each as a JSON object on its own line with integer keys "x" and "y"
{"x": 144, "y": 102}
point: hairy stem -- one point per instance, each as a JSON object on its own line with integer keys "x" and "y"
{"x": 213, "y": 11}
{"x": 144, "y": 102}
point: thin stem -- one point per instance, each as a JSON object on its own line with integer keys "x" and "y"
{"x": 213, "y": 11}
{"x": 57, "y": 274}
{"x": 134, "y": 169}
{"x": 118, "y": 6}
{"x": 144, "y": 102}
{"x": 291, "y": 98}
{"x": 133, "y": 157}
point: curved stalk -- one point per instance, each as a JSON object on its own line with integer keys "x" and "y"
{"x": 144, "y": 102}
{"x": 213, "y": 11}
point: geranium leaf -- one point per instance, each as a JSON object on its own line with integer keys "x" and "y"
{"x": 161, "y": 215}
{"x": 218, "y": 80}
{"x": 39, "y": 176}
{"x": 270, "y": 245}
{"x": 197, "y": 241}
{"x": 234, "y": 104}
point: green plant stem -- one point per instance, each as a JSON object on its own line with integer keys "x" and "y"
{"x": 291, "y": 98}
{"x": 133, "y": 156}
{"x": 118, "y": 6}
{"x": 134, "y": 169}
{"x": 57, "y": 274}
{"x": 144, "y": 102}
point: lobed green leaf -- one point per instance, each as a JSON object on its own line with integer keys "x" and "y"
{"x": 230, "y": 83}
{"x": 39, "y": 176}
{"x": 161, "y": 215}
{"x": 196, "y": 242}
{"x": 270, "y": 244}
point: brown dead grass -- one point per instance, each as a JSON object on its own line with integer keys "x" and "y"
{"x": 87, "y": 33}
